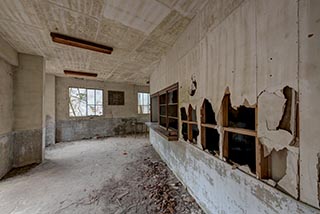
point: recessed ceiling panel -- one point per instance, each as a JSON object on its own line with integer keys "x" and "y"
{"x": 143, "y": 15}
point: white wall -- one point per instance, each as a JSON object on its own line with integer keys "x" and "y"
{"x": 309, "y": 85}
{"x": 251, "y": 48}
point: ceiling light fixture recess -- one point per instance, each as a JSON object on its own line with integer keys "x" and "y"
{"x": 79, "y": 73}
{"x": 80, "y": 43}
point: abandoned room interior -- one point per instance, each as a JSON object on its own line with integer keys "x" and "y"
{"x": 160, "y": 106}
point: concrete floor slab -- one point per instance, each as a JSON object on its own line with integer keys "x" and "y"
{"x": 89, "y": 177}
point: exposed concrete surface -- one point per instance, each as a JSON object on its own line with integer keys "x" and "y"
{"x": 140, "y": 32}
{"x": 79, "y": 129}
{"x": 6, "y": 117}
{"x": 7, "y": 53}
{"x": 6, "y": 97}
{"x": 49, "y": 108}
{"x": 220, "y": 189}
{"x": 114, "y": 119}
{"x": 28, "y": 109}
{"x": 89, "y": 177}
{"x": 6, "y": 153}
{"x": 27, "y": 147}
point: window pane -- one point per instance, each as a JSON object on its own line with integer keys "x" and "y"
{"x": 78, "y": 102}
{"x": 139, "y": 98}
{"x": 143, "y": 103}
{"x": 91, "y": 98}
{"x": 145, "y": 109}
{"x": 146, "y": 99}
{"x": 91, "y": 110}
{"x": 99, "y": 110}
{"x": 83, "y": 102}
{"x": 99, "y": 97}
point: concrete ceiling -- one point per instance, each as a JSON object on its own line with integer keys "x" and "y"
{"x": 140, "y": 31}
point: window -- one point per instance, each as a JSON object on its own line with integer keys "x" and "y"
{"x": 209, "y": 135}
{"x": 165, "y": 111}
{"x": 241, "y": 145}
{"x": 143, "y": 103}
{"x": 190, "y": 129}
{"x": 85, "y": 102}
{"x": 116, "y": 98}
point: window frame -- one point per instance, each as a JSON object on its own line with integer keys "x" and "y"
{"x": 189, "y": 122}
{"x": 170, "y": 133}
{"x": 87, "y": 116}
{"x": 144, "y": 105}
{"x": 204, "y": 125}
{"x": 262, "y": 163}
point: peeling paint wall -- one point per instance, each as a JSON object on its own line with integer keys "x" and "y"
{"x": 251, "y": 49}
{"x": 28, "y": 107}
{"x": 220, "y": 189}
{"x": 6, "y": 117}
{"x": 114, "y": 120}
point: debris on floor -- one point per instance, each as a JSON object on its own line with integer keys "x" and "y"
{"x": 148, "y": 187}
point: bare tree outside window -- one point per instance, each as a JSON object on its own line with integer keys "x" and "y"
{"x": 143, "y": 103}
{"x": 85, "y": 102}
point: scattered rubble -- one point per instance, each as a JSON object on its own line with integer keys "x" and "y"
{"x": 148, "y": 186}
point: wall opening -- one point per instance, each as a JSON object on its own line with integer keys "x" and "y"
{"x": 240, "y": 145}
{"x": 193, "y": 131}
{"x": 242, "y": 150}
{"x": 190, "y": 131}
{"x": 209, "y": 134}
{"x": 184, "y": 117}
{"x": 279, "y": 164}
{"x": 286, "y": 122}
{"x": 241, "y": 117}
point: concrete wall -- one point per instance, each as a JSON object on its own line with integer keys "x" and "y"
{"x": 253, "y": 49}
{"x": 49, "y": 105}
{"x": 6, "y": 117}
{"x": 28, "y": 109}
{"x": 110, "y": 124}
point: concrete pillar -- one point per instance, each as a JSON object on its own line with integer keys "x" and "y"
{"x": 6, "y": 117}
{"x": 28, "y": 110}
{"x": 49, "y": 105}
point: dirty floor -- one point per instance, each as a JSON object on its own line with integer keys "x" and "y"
{"x": 113, "y": 175}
